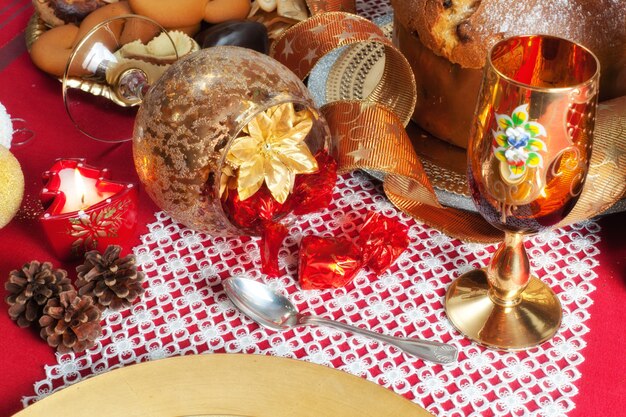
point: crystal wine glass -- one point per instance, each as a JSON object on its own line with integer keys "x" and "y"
{"x": 528, "y": 157}
{"x": 109, "y": 71}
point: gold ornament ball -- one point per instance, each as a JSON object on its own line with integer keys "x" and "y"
{"x": 189, "y": 118}
{"x": 11, "y": 186}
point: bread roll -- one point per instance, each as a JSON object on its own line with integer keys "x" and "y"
{"x": 458, "y": 34}
{"x": 104, "y": 13}
{"x": 51, "y": 51}
{"x": 217, "y": 11}
{"x": 170, "y": 13}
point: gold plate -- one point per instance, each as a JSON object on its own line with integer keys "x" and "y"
{"x": 34, "y": 28}
{"x": 225, "y": 385}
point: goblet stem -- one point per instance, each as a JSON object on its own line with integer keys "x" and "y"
{"x": 508, "y": 272}
{"x": 504, "y": 306}
{"x": 132, "y": 85}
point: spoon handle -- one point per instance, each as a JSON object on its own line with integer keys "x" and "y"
{"x": 428, "y": 350}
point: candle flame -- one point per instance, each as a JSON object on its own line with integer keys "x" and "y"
{"x": 79, "y": 185}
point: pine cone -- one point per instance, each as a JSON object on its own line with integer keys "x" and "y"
{"x": 112, "y": 281}
{"x": 31, "y": 287}
{"x": 70, "y": 322}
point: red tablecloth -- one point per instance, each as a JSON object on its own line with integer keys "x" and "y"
{"x": 29, "y": 94}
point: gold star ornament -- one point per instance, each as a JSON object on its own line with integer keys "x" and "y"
{"x": 272, "y": 150}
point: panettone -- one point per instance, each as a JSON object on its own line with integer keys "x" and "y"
{"x": 447, "y": 42}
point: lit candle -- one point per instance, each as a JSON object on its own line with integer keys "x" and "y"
{"x": 80, "y": 192}
{"x": 84, "y": 210}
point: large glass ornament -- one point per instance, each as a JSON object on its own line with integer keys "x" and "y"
{"x": 202, "y": 105}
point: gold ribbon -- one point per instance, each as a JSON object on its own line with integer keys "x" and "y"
{"x": 323, "y": 6}
{"x": 370, "y": 134}
{"x": 300, "y": 47}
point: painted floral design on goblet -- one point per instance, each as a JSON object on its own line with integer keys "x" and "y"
{"x": 517, "y": 144}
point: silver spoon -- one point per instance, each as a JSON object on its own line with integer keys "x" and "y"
{"x": 274, "y": 311}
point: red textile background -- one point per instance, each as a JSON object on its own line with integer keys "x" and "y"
{"x": 29, "y": 94}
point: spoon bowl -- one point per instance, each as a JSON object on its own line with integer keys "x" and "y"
{"x": 276, "y": 312}
{"x": 261, "y": 304}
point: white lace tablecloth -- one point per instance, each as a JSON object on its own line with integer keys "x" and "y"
{"x": 185, "y": 311}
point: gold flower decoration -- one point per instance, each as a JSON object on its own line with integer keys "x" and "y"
{"x": 227, "y": 180}
{"x": 273, "y": 151}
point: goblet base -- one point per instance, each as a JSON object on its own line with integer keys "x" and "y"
{"x": 534, "y": 319}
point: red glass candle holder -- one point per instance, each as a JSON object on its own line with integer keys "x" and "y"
{"x": 84, "y": 210}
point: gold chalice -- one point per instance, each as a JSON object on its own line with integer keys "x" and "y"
{"x": 528, "y": 157}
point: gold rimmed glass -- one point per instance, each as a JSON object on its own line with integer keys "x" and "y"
{"x": 528, "y": 156}
{"x": 110, "y": 70}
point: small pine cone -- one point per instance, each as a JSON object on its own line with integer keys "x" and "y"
{"x": 70, "y": 322}
{"x": 30, "y": 288}
{"x": 112, "y": 281}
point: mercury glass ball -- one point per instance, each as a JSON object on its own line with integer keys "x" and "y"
{"x": 189, "y": 118}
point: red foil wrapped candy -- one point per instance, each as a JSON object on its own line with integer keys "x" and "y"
{"x": 252, "y": 212}
{"x": 271, "y": 241}
{"x": 382, "y": 240}
{"x": 327, "y": 262}
{"x": 314, "y": 192}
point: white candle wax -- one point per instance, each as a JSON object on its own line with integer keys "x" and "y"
{"x": 80, "y": 192}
